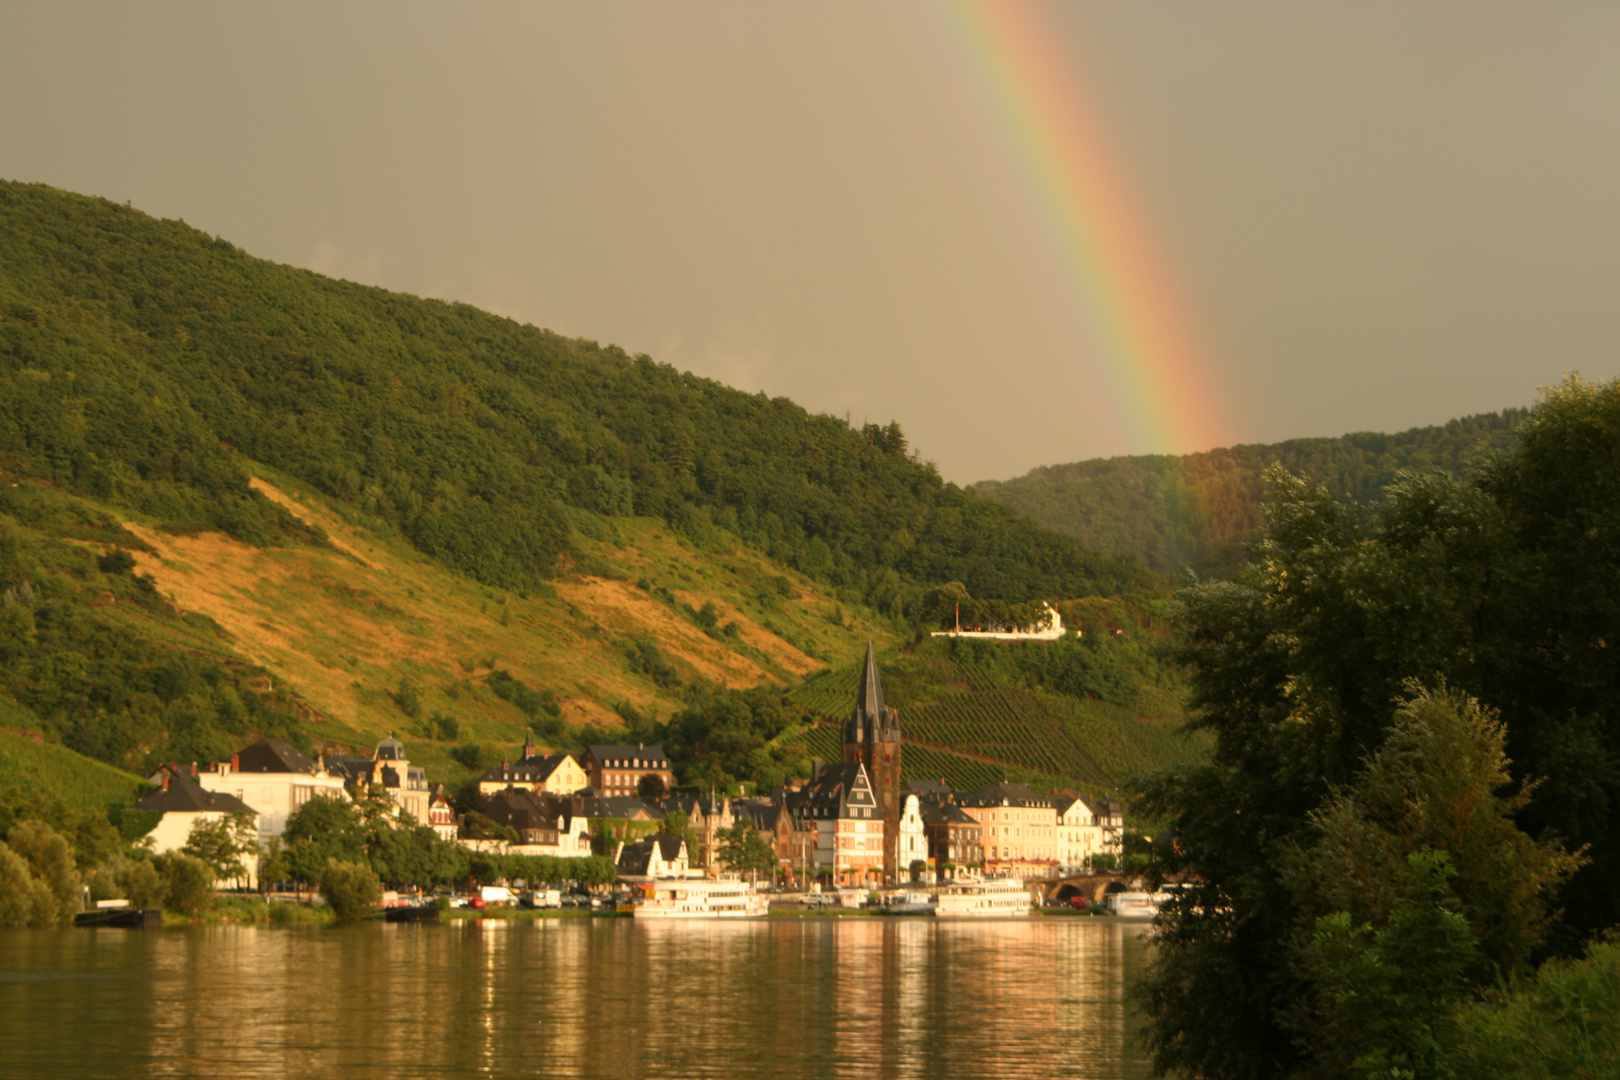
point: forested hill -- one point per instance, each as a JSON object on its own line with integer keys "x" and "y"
{"x": 238, "y": 498}
{"x": 1199, "y": 509}
{"x": 139, "y": 358}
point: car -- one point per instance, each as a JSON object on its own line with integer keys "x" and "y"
{"x": 1079, "y": 903}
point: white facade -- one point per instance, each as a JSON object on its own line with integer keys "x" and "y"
{"x": 913, "y": 844}
{"x": 274, "y": 795}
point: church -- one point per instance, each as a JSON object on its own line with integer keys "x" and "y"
{"x": 872, "y": 739}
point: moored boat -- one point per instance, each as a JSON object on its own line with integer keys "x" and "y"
{"x": 132, "y": 918}
{"x": 995, "y": 898}
{"x": 909, "y": 903}
{"x": 407, "y": 913}
{"x": 1134, "y": 905}
{"x": 698, "y": 898}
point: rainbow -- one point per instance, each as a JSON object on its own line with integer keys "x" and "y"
{"x": 1135, "y": 338}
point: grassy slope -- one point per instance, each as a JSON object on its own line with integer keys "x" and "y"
{"x": 343, "y": 625}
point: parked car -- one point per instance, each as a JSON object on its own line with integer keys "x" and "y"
{"x": 1079, "y": 903}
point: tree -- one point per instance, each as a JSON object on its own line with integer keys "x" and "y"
{"x": 24, "y": 900}
{"x": 351, "y": 888}
{"x": 650, "y": 788}
{"x": 223, "y": 843}
{"x": 188, "y": 882}
{"x": 50, "y": 862}
{"x": 139, "y": 883}
{"x": 1505, "y": 586}
{"x": 742, "y": 849}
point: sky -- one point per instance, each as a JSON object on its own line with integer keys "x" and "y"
{"x": 1031, "y": 233}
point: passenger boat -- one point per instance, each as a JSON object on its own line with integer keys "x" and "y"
{"x": 699, "y": 898}
{"x": 1134, "y": 905}
{"x": 995, "y": 898}
{"x": 910, "y": 903}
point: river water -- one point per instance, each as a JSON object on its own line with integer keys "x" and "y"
{"x": 577, "y": 998}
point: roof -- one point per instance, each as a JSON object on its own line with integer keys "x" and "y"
{"x": 523, "y": 809}
{"x": 618, "y": 806}
{"x": 635, "y": 860}
{"x": 182, "y": 794}
{"x": 1005, "y": 792}
{"x": 930, "y": 789}
{"x": 946, "y": 814}
{"x": 650, "y": 756}
{"x": 837, "y": 791}
{"x": 872, "y": 720}
{"x": 274, "y": 756}
{"x": 528, "y": 770}
{"x": 390, "y": 749}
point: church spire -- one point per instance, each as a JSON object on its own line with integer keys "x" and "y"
{"x": 869, "y": 696}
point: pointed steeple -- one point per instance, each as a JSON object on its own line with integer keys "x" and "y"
{"x": 869, "y": 696}
{"x": 528, "y": 746}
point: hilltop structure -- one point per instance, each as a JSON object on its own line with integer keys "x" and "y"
{"x": 872, "y": 740}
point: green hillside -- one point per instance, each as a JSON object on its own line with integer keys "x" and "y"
{"x": 238, "y": 498}
{"x": 1198, "y": 510}
{"x": 33, "y": 768}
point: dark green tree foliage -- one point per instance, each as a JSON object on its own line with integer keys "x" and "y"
{"x": 1505, "y": 585}
{"x": 137, "y": 357}
{"x": 351, "y": 888}
{"x": 742, "y": 849}
{"x": 1200, "y": 509}
{"x": 726, "y": 736}
{"x": 397, "y": 850}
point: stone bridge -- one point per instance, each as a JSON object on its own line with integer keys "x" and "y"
{"x": 1091, "y": 886}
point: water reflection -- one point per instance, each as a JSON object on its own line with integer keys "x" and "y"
{"x": 588, "y": 998}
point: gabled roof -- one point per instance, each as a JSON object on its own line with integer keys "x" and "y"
{"x": 837, "y": 791}
{"x": 182, "y": 794}
{"x": 528, "y": 770}
{"x": 635, "y": 860}
{"x": 274, "y": 756}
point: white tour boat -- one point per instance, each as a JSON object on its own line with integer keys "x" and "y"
{"x": 699, "y": 898}
{"x": 1134, "y": 905}
{"x": 994, "y": 898}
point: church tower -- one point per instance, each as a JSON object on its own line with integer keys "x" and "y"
{"x": 872, "y": 738}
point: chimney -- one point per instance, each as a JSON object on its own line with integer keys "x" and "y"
{"x": 165, "y": 779}
{"x": 236, "y": 763}
{"x": 194, "y": 770}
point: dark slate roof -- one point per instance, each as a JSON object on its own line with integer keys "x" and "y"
{"x": 635, "y": 859}
{"x": 523, "y": 809}
{"x": 273, "y": 756}
{"x": 1006, "y": 792}
{"x": 946, "y": 814}
{"x": 619, "y": 806}
{"x": 651, "y": 756}
{"x": 1104, "y": 807}
{"x": 872, "y": 721}
{"x": 185, "y": 794}
{"x": 936, "y": 790}
{"x": 390, "y": 749}
{"x": 528, "y": 770}
{"x": 836, "y": 791}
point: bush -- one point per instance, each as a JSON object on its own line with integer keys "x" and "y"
{"x": 50, "y": 862}
{"x": 24, "y": 900}
{"x": 188, "y": 882}
{"x": 138, "y": 882}
{"x": 294, "y": 914}
{"x": 1565, "y": 1022}
{"x": 352, "y": 890}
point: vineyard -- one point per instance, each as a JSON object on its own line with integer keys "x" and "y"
{"x": 965, "y": 725}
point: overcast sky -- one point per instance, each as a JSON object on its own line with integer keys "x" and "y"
{"x": 1378, "y": 215}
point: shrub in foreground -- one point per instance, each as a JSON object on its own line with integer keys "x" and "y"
{"x": 352, "y": 890}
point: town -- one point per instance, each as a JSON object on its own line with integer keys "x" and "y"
{"x": 853, "y": 827}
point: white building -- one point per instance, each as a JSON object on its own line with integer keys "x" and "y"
{"x": 913, "y": 845}
{"x": 1086, "y": 828}
{"x": 183, "y": 803}
{"x": 273, "y": 777}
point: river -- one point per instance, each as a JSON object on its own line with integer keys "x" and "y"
{"x": 789, "y": 998}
